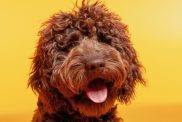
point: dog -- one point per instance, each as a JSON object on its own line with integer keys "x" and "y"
{"x": 84, "y": 61}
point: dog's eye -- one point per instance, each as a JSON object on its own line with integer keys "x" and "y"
{"x": 105, "y": 39}
{"x": 73, "y": 40}
{"x": 69, "y": 46}
{"x": 72, "y": 44}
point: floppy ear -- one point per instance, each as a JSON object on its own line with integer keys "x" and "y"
{"x": 133, "y": 69}
{"x": 41, "y": 64}
{"x": 47, "y": 54}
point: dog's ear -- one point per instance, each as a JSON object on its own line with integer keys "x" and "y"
{"x": 133, "y": 69}
{"x": 47, "y": 54}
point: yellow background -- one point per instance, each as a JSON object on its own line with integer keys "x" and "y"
{"x": 156, "y": 32}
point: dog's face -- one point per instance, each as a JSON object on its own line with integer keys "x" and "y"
{"x": 90, "y": 76}
{"x": 89, "y": 58}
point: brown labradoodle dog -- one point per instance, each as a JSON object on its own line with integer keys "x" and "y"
{"x": 83, "y": 63}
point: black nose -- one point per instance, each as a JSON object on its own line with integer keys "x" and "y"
{"x": 95, "y": 64}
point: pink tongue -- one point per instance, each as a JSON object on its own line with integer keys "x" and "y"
{"x": 97, "y": 94}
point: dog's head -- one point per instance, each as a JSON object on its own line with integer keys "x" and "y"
{"x": 88, "y": 57}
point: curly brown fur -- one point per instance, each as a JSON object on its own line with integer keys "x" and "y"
{"x": 60, "y": 71}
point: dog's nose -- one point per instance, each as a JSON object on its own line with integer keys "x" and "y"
{"x": 95, "y": 64}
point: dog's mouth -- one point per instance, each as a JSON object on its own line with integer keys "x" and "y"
{"x": 97, "y": 90}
